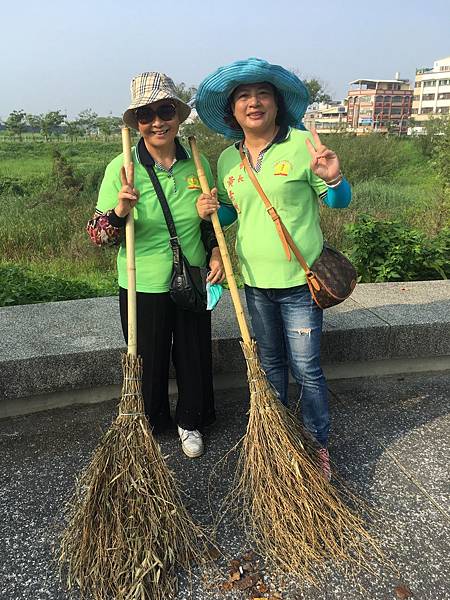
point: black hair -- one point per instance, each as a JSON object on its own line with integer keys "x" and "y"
{"x": 281, "y": 119}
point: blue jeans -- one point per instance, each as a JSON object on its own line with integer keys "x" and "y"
{"x": 287, "y": 324}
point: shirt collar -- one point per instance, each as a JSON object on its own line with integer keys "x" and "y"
{"x": 146, "y": 159}
{"x": 281, "y": 136}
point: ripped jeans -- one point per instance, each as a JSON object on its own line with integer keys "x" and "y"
{"x": 287, "y": 325}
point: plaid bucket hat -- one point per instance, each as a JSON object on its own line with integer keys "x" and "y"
{"x": 150, "y": 87}
{"x": 212, "y": 95}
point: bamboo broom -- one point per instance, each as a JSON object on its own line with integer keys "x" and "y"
{"x": 295, "y": 517}
{"x": 128, "y": 530}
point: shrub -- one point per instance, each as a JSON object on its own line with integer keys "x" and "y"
{"x": 390, "y": 251}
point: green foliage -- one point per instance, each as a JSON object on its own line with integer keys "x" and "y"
{"x": 21, "y": 285}
{"x": 48, "y": 124}
{"x": 317, "y": 91}
{"x": 73, "y": 130}
{"x": 440, "y": 152}
{"x": 431, "y": 132}
{"x": 87, "y": 120}
{"x": 185, "y": 92}
{"x": 16, "y": 123}
{"x": 47, "y": 198}
{"x": 63, "y": 174}
{"x": 367, "y": 157}
{"x": 387, "y": 250}
{"x": 107, "y": 126}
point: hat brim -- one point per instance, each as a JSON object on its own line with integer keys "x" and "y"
{"x": 129, "y": 116}
{"x": 212, "y": 95}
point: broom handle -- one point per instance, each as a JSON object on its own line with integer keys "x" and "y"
{"x": 131, "y": 265}
{"x": 222, "y": 246}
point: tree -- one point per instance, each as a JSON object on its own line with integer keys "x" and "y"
{"x": 431, "y": 131}
{"x": 47, "y": 124}
{"x": 51, "y": 123}
{"x": 16, "y": 123}
{"x": 184, "y": 92}
{"x": 73, "y": 129}
{"x": 87, "y": 119}
{"x": 317, "y": 90}
{"x": 34, "y": 121}
{"x": 108, "y": 125}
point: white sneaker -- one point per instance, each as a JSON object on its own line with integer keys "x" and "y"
{"x": 191, "y": 442}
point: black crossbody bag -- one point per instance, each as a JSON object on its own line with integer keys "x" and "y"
{"x": 188, "y": 283}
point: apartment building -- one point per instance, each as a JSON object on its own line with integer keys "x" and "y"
{"x": 379, "y": 105}
{"x": 327, "y": 117}
{"x": 431, "y": 92}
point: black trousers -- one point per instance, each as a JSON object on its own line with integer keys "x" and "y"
{"x": 164, "y": 329}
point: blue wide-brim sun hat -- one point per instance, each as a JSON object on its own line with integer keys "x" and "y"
{"x": 213, "y": 92}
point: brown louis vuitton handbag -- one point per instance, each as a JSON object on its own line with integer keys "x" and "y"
{"x": 332, "y": 277}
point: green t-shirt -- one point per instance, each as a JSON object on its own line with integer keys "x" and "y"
{"x": 292, "y": 188}
{"x": 154, "y": 258}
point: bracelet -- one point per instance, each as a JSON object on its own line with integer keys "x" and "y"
{"x": 338, "y": 177}
{"x": 335, "y": 185}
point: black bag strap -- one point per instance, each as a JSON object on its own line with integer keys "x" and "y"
{"x": 174, "y": 241}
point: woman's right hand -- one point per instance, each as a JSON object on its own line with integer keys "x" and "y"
{"x": 207, "y": 204}
{"x": 128, "y": 195}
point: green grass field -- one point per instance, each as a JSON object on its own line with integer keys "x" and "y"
{"x": 44, "y": 213}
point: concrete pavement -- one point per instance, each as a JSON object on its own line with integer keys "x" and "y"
{"x": 385, "y": 431}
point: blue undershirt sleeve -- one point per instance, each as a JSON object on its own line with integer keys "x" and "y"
{"x": 339, "y": 197}
{"x": 227, "y": 214}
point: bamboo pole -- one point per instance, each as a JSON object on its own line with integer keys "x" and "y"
{"x": 129, "y": 236}
{"x": 245, "y": 333}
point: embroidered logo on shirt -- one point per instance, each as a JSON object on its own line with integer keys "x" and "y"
{"x": 282, "y": 168}
{"x": 193, "y": 183}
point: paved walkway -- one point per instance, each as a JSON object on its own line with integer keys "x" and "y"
{"x": 375, "y": 424}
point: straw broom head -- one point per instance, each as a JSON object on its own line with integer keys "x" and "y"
{"x": 296, "y": 518}
{"x": 128, "y": 530}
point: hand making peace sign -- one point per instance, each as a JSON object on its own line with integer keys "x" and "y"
{"x": 324, "y": 163}
{"x": 128, "y": 195}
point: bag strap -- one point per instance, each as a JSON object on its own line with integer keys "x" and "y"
{"x": 270, "y": 209}
{"x": 284, "y": 234}
{"x": 174, "y": 241}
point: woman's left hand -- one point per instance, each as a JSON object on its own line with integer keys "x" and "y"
{"x": 217, "y": 273}
{"x": 324, "y": 162}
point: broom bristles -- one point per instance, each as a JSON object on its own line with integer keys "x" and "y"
{"x": 128, "y": 530}
{"x": 296, "y": 518}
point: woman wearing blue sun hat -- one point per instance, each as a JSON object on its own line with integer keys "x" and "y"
{"x": 262, "y": 105}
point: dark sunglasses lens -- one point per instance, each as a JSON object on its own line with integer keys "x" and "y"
{"x": 145, "y": 115}
{"x": 166, "y": 112}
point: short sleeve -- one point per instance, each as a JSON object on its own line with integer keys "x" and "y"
{"x": 110, "y": 186}
{"x": 221, "y": 191}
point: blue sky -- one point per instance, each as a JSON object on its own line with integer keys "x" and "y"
{"x": 82, "y": 54}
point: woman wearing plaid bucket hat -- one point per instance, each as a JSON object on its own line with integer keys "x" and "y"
{"x": 262, "y": 106}
{"x": 163, "y": 327}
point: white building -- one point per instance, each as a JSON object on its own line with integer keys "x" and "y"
{"x": 431, "y": 92}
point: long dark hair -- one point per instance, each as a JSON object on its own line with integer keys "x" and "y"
{"x": 281, "y": 119}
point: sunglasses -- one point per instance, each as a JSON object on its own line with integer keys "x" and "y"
{"x": 146, "y": 115}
